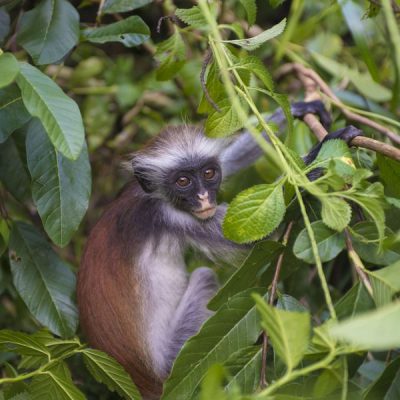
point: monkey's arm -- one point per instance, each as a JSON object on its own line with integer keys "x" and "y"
{"x": 244, "y": 150}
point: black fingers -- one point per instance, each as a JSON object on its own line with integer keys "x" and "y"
{"x": 347, "y": 134}
{"x": 301, "y": 108}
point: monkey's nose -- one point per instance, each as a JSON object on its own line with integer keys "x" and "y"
{"x": 203, "y": 196}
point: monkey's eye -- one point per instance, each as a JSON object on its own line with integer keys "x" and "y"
{"x": 209, "y": 173}
{"x": 183, "y": 181}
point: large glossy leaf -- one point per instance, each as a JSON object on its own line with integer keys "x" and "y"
{"x": 106, "y": 370}
{"x": 58, "y": 113}
{"x": 254, "y": 213}
{"x": 289, "y": 331}
{"x": 9, "y": 68}
{"x": 49, "y": 31}
{"x": 55, "y": 383}
{"x": 374, "y": 330}
{"x": 117, "y": 6}
{"x": 60, "y": 187}
{"x": 244, "y": 369}
{"x": 43, "y": 280}
{"x": 329, "y": 242}
{"x": 233, "y": 327}
{"x": 13, "y": 113}
{"x": 387, "y": 385}
{"x": 131, "y": 32}
{"x": 246, "y": 276}
{"x": 13, "y": 170}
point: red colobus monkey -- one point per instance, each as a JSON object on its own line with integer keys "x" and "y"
{"x": 136, "y": 300}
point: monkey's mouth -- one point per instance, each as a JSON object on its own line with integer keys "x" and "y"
{"x": 206, "y": 213}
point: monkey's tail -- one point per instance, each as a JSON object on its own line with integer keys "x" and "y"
{"x": 111, "y": 316}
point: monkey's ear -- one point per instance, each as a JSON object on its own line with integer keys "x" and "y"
{"x": 144, "y": 182}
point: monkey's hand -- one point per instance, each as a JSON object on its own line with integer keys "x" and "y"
{"x": 301, "y": 108}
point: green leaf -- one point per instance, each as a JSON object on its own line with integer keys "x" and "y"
{"x": 335, "y": 154}
{"x": 385, "y": 283}
{"x": 355, "y": 301}
{"x": 362, "y": 31}
{"x": 394, "y": 46}
{"x": 55, "y": 383}
{"x": 288, "y": 331}
{"x": 225, "y": 121}
{"x": 60, "y": 187}
{"x": 106, "y": 370}
{"x": 257, "y": 67}
{"x": 374, "y": 330}
{"x": 58, "y": 34}
{"x": 43, "y": 280}
{"x": 192, "y": 16}
{"x": 13, "y": 113}
{"x": 212, "y": 385}
{"x": 254, "y": 213}
{"x": 335, "y": 213}
{"x": 171, "y": 55}
{"x": 256, "y": 41}
{"x": 366, "y": 243}
{"x": 385, "y": 383}
{"x": 58, "y": 113}
{"x": 233, "y": 327}
{"x": 246, "y": 276}
{"x": 390, "y": 174}
{"x": 4, "y": 24}
{"x": 131, "y": 32}
{"x": 13, "y": 171}
{"x": 9, "y": 68}
{"x": 4, "y": 235}
{"x": 329, "y": 242}
{"x": 371, "y": 199}
{"x": 362, "y": 81}
{"x": 22, "y": 343}
{"x": 118, "y": 6}
{"x": 244, "y": 369}
{"x": 251, "y": 10}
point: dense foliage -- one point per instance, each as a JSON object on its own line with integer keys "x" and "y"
{"x": 323, "y": 286}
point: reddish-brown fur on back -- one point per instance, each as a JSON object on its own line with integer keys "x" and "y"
{"x": 110, "y": 296}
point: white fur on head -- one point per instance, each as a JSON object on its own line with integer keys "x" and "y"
{"x": 173, "y": 146}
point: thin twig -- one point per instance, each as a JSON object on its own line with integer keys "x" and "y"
{"x": 172, "y": 18}
{"x": 271, "y": 300}
{"x": 318, "y": 82}
{"x": 100, "y": 12}
{"x": 207, "y": 59}
{"x": 357, "y": 263}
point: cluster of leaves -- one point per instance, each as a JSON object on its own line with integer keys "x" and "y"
{"x": 347, "y": 218}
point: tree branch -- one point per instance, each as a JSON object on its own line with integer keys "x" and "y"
{"x": 312, "y": 82}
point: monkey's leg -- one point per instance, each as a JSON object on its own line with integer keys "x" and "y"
{"x": 191, "y": 312}
{"x": 244, "y": 151}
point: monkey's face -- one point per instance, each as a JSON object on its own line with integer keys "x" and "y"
{"x": 193, "y": 188}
